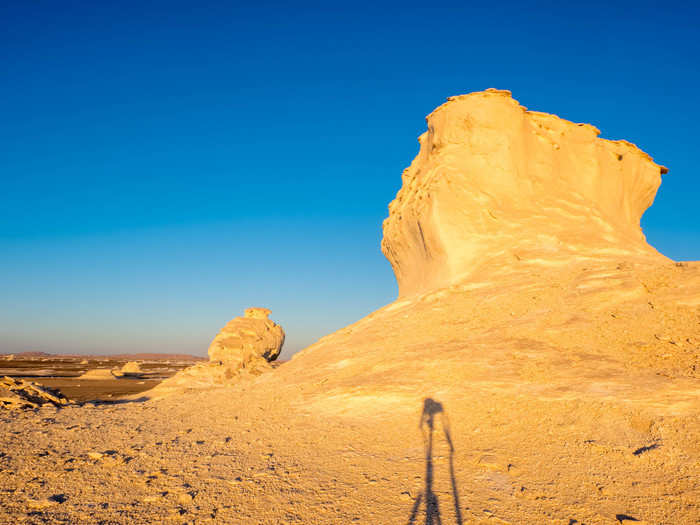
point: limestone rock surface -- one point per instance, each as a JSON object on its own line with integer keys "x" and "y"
{"x": 19, "y": 394}
{"x": 495, "y": 184}
{"x": 243, "y": 338}
{"x": 131, "y": 368}
{"x": 244, "y": 348}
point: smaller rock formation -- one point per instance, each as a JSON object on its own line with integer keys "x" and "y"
{"x": 100, "y": 374}
{"x": 244, "y": 347}
{"x": 19, "y": 394}
{"x": 131, "y": 368}
{"x": 248, "y": 338}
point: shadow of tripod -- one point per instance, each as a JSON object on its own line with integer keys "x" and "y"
{"x": 431, "y": 410}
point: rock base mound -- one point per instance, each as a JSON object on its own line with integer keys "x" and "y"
{"x": 244, "y": 348}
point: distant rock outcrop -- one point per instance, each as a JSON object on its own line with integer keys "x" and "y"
{"x": 494, "y": 183}
{"x": 131, "y": 368}
{"x": 99, "y": 374}
{"x": 244, "y": 347}
{"x": 19, "y": 394}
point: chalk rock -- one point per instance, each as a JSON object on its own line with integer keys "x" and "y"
{"x": 495, "y": 184}
{"x": 131, "y": 368}
{"x": 242, "y": 350}
{"x": 100, "y": 374}
{"x": 19, "y": 394}
{"x": 247, "y": 337}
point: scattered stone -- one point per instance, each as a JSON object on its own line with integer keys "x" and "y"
{"x": 20, "y": 394}
{"x": 98, "y": 373}
{"x": 38, "y": 504}
{"x": 494, "y": 463}
{"x": 184, "y": 499}
{"x": 58, "y": 498}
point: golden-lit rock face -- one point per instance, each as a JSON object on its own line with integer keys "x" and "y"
{"x": 250, "y": 336}
{"x": 243, "y": 349}
{"x": 494, "y": 183}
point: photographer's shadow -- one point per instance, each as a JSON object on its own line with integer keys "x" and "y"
{"x": 433, "y": 411}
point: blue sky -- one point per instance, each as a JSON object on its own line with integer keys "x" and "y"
{"x": 166, "y": 164}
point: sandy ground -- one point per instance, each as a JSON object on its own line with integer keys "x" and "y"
{"x": 568, "y": 404}
{"x": 268, "y": 461}
{"x": 64, "y": 373}
{"x": 563, "y": 397}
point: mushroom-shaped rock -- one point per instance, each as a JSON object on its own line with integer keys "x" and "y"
{"x": 495, "y": 185}
{"x": 245, "y": 338}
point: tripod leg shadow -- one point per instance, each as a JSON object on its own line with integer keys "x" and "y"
{"x": 433, "y": 411}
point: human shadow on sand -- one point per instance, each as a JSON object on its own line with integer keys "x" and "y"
{"x": 434, "y": 412}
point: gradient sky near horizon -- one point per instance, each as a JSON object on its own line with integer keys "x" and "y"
{"x": 164, "y": 165}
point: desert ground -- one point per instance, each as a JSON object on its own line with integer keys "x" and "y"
{"x": 64, "y": 373}
{"x": 541, "y": 365}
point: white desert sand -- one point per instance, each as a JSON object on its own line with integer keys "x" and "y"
{"x": 539, "y": 366}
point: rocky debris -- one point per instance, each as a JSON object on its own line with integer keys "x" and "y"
{"x": 19, "y": 394}
{"x": 495, "y": 184}
{"x": 244, "y": 348}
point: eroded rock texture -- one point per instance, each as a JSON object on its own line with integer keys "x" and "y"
{"x": 18, "y": 394}
{"x": 244, "y": 348}
{"x": 252, "y": 336}
{"x": 495, "y": 184}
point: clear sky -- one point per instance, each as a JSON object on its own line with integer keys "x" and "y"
{"x": 166, "y": 164}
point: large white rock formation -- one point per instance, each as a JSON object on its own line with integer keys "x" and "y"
{"x": 494, "y": 184}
